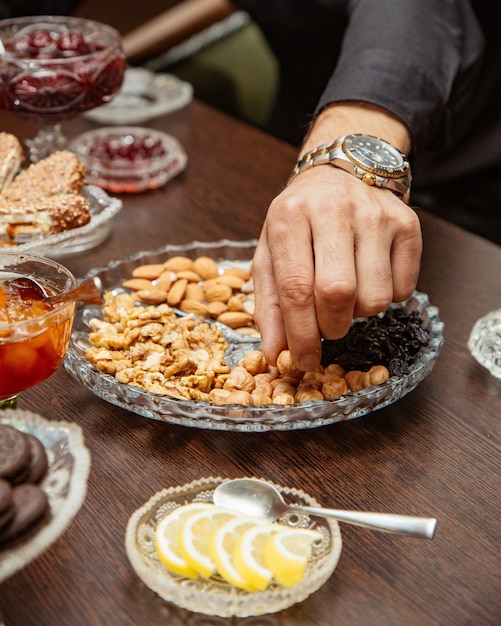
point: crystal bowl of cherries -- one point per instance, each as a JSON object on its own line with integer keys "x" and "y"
{"x": 53, "y": 68}
{"x": 129, "y": 159}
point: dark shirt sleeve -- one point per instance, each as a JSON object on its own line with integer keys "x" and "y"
{"x": 413, "y": 58}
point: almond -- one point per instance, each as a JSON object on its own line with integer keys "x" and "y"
{"x": 152, "y": 295}
{"x": 248, "y": 331}
{"x": 235, "y": 319}
{"x": 219, "y": 292}
{"x": 206, "y": 267}
{"x": 235, "y": 303}
{"x": 235, "y": 282}
{"x": 195, "y": 292}
{"x": 176, "y": 292}
{"x": 178, "y": 264}
{"x": 190, "y": 275}
{"x": 240, "y": 272}
{"x": 193, "y": 306}
{"x": 137, "y": 284}
{"x": 148, "y": 271}
{"x": 165, "y": 280}
{"x": 214, "y": 309}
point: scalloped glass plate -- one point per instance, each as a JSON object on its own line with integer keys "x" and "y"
{"x": 215, "y": 596}
{"x": 102, "y": 207}
{"x": 237, "y": 417}
{"x": 144, "y": 96}
{"x": 65, "y": 483}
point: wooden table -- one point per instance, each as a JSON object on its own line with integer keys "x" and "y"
{"x": 434, "y": 453}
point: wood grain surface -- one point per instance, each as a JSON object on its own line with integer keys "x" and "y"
{"x": 433, "y": 453}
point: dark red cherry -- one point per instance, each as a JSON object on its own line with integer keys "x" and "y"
{"x": 73, "y": 44}
{"x": 40, "y": 39}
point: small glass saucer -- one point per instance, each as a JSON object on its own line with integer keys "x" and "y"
{"x": 143, "y": 96}
{"x": 485, "y": 342}
{"x": 215, "y": 596}
{"x": 65, "y": 483}
{"x": 129, "y": 159}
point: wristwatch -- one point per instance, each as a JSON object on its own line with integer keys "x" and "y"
{"x": 373, "y": 160}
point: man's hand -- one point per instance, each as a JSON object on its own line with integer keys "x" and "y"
{"x": 331, "y": 248}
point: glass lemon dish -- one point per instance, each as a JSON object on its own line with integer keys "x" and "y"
{"x": 205, "y": 415}
{"x": 214, "y": 596}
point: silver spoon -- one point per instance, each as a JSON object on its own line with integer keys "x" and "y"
{"x": 88, "y": 291}
{"x": 260, "y": 499}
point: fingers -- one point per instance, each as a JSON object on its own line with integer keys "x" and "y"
{"x": 267, "y": 313}
{"x": 323, "y": 259}
{"x": 406, "y": 257}
{"x": 285, "y": 307}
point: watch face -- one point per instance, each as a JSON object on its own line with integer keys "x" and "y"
{"x": 375, "y": 155}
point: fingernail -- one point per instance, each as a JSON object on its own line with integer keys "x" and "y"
{"x": 309, "y": 362}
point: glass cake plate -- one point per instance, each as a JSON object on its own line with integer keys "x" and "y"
{"x": 143, "y": 96}
{"x": 204, "y": 415}
{"x": 65, "y": 483}
{"x": 103, "y": 209}
{"x": 215, "y": 596}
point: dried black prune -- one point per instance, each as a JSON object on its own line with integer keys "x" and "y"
{"x": 393, "y": 339}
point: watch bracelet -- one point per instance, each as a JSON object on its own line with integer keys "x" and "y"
{"x": 321, "y": 156}
{"x": 317, "y": 156}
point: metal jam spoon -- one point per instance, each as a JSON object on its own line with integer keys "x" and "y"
{"x": 259, "y": 499}
{"x": 89, "y": 291}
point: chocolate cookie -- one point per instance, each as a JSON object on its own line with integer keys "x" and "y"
{"x": 30, "y": 506}
{"x": 6, "y": 502}
{"x": 14, "y": 451}
{"x": 39, "y": 461}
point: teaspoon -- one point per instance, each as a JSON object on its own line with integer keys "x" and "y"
{"x": 88, "y": 291}
{"x": 260, "y": 499}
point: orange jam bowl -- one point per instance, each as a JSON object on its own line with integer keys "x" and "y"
{"x": 33, "y": 338}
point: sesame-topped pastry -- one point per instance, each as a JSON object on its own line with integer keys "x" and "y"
{"x": 11, "y": 157}
{"x": 50, "y": 215}
{"x": 60, "y": 173}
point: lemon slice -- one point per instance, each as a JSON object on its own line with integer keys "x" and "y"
{"x": 248, "y": 555}
{"x": 167, "y": 538}
{"x": 195, "y": 535}
{"x": 222, "y": 545}
{"x": 286, "y": 554}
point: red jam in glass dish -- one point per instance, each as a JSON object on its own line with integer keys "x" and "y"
{"x": 129, "y": 159}
{"x": 55, "y": 68}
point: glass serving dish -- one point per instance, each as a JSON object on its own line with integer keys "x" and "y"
{"x": 143, "y": 96}
{"x": 215, "y": 596}
{"x": 484, "y": 342}
{"x": 103, "y": 209}
{"x": 129, "y": 159}
{"x": 200, "y": 414}
{"x": 65, "y": 483}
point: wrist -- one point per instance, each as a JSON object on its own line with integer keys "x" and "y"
{"x": 344, "y": 118}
